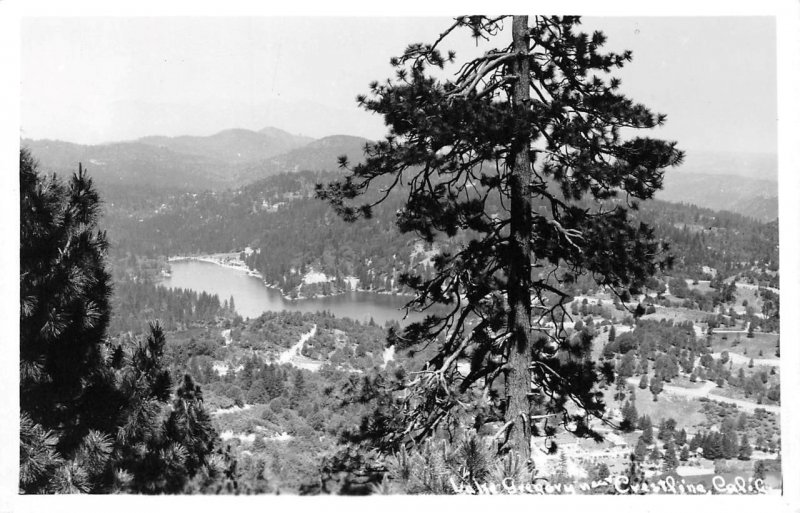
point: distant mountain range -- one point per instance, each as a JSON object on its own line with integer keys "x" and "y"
{"x": 743, "y": 183}
{"x": 747, "y": 196}
{"x": 235, "y": 146}
{"x": 230, "y": 158}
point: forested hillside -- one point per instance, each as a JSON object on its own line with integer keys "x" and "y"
{"x": 291, "y": 233}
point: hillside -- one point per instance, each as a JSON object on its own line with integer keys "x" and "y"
{"x": 227, "y": 159}
{"x": 132, "y": 164}
{"x": 752, "y": 197}
{"x": 319, "y": 155}
{"x": 293, "y": 233}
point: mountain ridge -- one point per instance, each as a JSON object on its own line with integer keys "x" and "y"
{"x": 743, "y": 183}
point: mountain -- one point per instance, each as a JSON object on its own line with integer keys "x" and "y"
{"x": 234, "y": 146}
{"x": 231, "y": 158}
{"x": 752, "y": 197}
{"x": 133, "y": 164}
{"x": 744, "y": 183}
{"x": 319, "y": 155}
{"x": 759, "y": 166}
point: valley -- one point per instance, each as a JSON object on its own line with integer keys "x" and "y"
{"x": 282, "y": 312}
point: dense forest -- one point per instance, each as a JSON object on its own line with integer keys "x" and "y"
{"x": 290, "y": 231}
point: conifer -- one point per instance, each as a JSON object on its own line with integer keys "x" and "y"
{"x": 520, "y": 149}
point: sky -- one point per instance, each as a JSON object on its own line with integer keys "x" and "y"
{"x": 100, "y": 79}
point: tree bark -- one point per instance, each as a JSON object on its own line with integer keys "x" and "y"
{"x": 518, "y": 381}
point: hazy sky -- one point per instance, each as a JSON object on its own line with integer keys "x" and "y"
{"x": 92, "y": 80}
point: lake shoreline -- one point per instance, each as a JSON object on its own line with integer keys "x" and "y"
{"x": 241, "y": 266}
{"x": 254, "y": 297}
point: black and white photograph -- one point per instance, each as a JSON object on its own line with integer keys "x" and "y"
{"x": 339, "y": 254}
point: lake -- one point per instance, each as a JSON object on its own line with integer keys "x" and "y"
{"x": 252, "y": 297}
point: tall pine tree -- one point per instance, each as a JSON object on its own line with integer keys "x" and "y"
{"x": 520, "y": 152}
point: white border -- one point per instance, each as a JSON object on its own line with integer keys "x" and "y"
{"x": 788, "y": 28}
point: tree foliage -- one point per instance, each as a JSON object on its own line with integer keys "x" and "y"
{"x": 521, "y": 149}
{"x": 95, "y": 417}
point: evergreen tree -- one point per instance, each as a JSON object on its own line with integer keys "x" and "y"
{"x": 190, "y": 424}
{"x": 696, "y": 442}
{"x": 95, "y": 417}
{"x": 741, "y": 423}
{"x": 680, "y": 437}
{"x": 684, "y": 456}
{"x": 745, "y": 449}
{"x": 481, "y": 137}
{"x": 643, "y": 383}
{"x": 158, "y": 448}
{"x": 619, "y": 389}
{"x": 627, "y": 365}
{"x": 729, "y": 445}
{"x": 647, "y": 433}
{"x": 64, "y": 306}
{"x": 670, "y": 458}
{"x": 656, "y": 386}
{"x": 298, "y": 396}
{"x": 759, "y": 470}
{"x": 629, "y": 416}
{"x": 640, "y": 452}
{"x": 712, "y": 446}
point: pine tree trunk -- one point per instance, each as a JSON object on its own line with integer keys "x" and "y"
{"x": 518, "y": 382}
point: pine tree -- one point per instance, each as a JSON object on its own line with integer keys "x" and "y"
{"x": 298, "y": 395}
{"x": 684, "y": 453}
{"x": 656, "y": 386}
{"x": 647, "y": 433}
{"x": 696, "y": 442}
{"x": 95, "y": 417}
{"x": 663, "y": 433}
{"x": 463, "y": 144}
{"x": 729, "y": 445}
{"x": 157, "y": 448}
{"x": 190, "y": 424}
{"x": 640, "y": 452}
{"x": 629, "y": 416}
{"x": 64, "y": 305}
{"x": 680, "y": 437}
{"x": 741, "y": 423}
{"x": 759, "y": 470}
{"x": 670, "y": 458}
{"x": 745, "y": 449}
{"x": 712, "y": 446}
